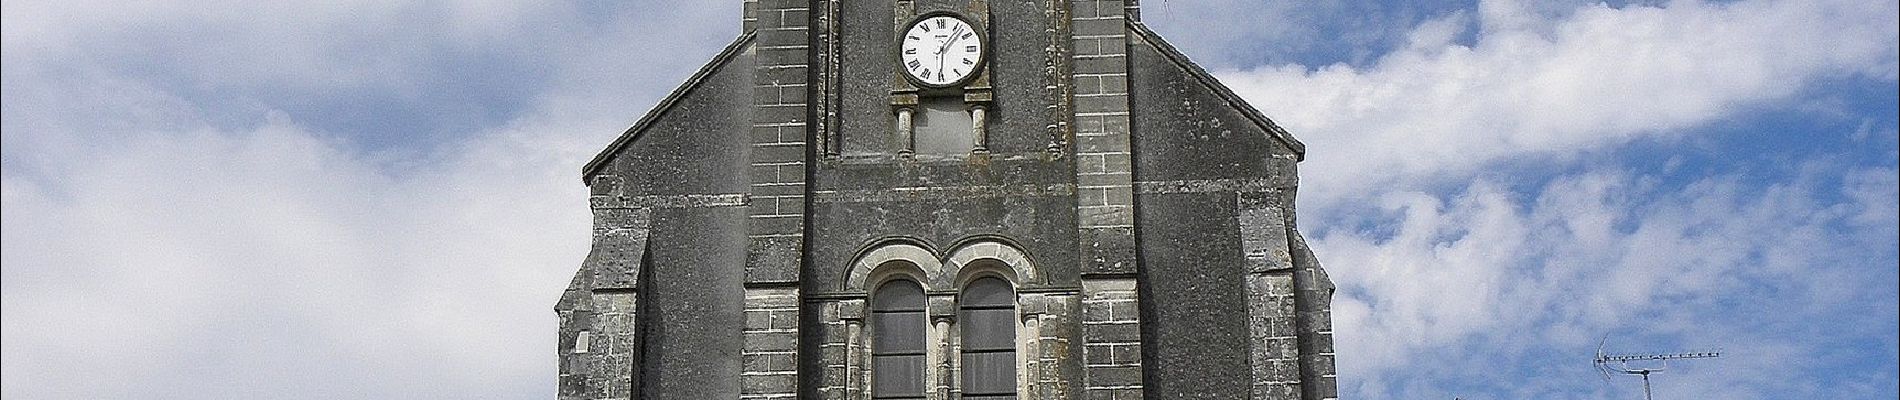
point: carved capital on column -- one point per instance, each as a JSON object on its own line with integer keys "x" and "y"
{"x": 942, "y": 307}
{"x": 851, "y": 310}
{"x": 1032, "y": 305}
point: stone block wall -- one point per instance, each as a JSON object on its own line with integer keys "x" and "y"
{"x": 599, "y": 343}
{"x": 1111, "y": 335}
{"x": 1289, "y": 302}
{"x": 770, "y": 356}
{"x": 776, "y": 215}
{"x": 1271, "y": 309}
{"x": 1053, "y": 345}
{"x": 840, "y": 323}
{"x": 1313, "y": 296}
{"x": 779, "y": 132}
{"x": 1093, "y": 328}
{"x": 1105, "y": 200}
{"x": 1104, "y": 193}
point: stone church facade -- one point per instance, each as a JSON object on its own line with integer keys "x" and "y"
{"x": 947, "y": 199}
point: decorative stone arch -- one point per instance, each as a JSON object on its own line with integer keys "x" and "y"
{"x": 921, "y": 261}
{"x": 986, "y": 256}
{"x": 943, "y": 277}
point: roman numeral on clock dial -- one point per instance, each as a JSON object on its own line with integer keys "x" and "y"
{"x": 932, "y": 46}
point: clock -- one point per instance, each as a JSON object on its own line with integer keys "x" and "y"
{"x": 940, "y": 51}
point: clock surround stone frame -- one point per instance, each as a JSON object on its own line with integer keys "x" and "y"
{"x": 908, "y": 96}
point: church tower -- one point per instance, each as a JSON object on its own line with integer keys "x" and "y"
{"x": 947, "y": 199}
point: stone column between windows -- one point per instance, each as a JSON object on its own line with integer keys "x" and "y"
{"x": 943, "y": 359}
{"x": 1029, "y": 346}
{"x": 940, "y": 379}
{"x": 846, "y": 354}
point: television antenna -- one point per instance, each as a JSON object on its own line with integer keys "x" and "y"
{"x": 1609, "y": 364}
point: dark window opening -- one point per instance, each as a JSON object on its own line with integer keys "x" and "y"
{"x": 987, "y": 314}
{"x": 897, "y": 341}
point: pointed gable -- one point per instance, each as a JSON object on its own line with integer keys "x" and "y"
{"x": 1207, "y": 82}
{"x": 667, "y": 105}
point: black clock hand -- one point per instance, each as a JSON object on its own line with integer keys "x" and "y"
{"x": 952, "y": 39}
{"x": 943, "y": 53}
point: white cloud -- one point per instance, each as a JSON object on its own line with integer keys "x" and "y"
{"x": 206, "y": 264}
{"x": 304, "y": 46}
{"x": 1226, "y": 33}
{"x": 1559, "y": 88}
{"x": 1487, "y": 278}
{"x": 1446, "y": 259}
{"x": 155, "y": 249}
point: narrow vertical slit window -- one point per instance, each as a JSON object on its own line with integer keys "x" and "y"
{"x": 988, "y": 318}
{"x": 897, "y": 341}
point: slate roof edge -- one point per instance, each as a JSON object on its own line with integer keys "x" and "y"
{"x": 1206, "y": 79}
{"x": 633, "y": 132}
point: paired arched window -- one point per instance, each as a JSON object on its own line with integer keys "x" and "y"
{"x": 987, "y": 312}
{"x": 925, "y": 334}
{"x": 897, "y": 346}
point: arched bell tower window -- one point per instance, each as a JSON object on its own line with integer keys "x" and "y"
{"x": 897, "y": 345}
{"x": 939, "y": 326}
{"x": 988, "y": 317}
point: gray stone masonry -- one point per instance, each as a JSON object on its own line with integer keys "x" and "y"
{"x": 779, "y": 132}
{"x": 1314, "y": 299}
{"x": 1274, "y": 356}
{"x": 776, "y": 217}
{"x": 1141, "y": 212}
{"x": 770, "y": 356}
{"x": 1111, "y": 334}
{"x": 601, "y": 348}
{"x": 842, "y": 318}
{"x": 1105, "y": 198}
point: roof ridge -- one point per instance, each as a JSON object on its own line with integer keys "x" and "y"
{"x": 1168, "y": 51}
{"x": 633, "y": 132}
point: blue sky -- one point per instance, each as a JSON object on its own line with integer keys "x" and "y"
{"x": 373, "y": 199}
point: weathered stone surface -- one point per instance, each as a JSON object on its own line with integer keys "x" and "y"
{"x": 1141, "y": 210}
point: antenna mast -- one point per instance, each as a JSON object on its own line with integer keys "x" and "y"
{"x": 1622, "y": 362}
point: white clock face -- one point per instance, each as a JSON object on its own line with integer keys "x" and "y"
{"x": 941, "y": 51}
